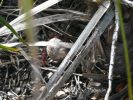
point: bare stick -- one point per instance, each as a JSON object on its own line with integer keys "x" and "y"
{"x": 112, "y": 55}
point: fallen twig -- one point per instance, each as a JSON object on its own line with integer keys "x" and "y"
{"x": 112, "y": 55}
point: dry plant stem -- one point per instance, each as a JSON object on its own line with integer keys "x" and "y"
{"x": 57, "y": 80}
{"x": 128, "y": 2}
{"x": 65, "y": 11}
{"x": 54, "y": 70}
{"x": 112, "y": 55}
{"x": 34, "y": 11}
{"x": 47, "y": 20}
{"x": 40, "y": 44}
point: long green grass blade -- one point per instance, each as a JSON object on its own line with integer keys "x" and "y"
{"x": 127, "y": 60}
{"x": 8, "y": 48}
{"x": 3, "y": 22}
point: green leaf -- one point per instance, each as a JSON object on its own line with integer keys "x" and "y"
{"x": 126, "y": 53}
{"x": 2, "y": 21}
{"x": 8, "y": 48}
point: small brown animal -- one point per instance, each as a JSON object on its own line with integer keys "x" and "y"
{"x": 56, "y": 52}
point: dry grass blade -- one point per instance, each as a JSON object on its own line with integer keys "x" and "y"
{"x": 48, "y": 20}
{"x": 34, "y": 11}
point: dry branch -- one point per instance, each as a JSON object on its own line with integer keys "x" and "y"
{"x": 112, "y": 54}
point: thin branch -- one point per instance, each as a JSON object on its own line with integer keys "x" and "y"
{"x": 112, "y": 55}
